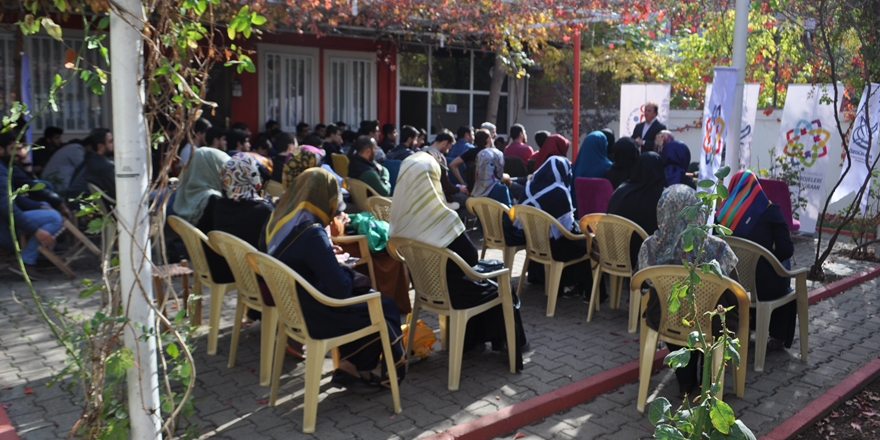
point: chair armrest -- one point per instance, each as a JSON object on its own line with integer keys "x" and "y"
{"x": 335, "y": 302}
{"x": 572, "y": 236}
{"x": 361, "y": 241}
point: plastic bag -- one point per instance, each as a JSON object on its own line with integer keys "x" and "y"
{"x": 375, "y": 230}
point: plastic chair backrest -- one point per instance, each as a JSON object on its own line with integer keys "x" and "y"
{"x": 193, "y": 238}
{"x": 779, "y": 193}
{"x": 592, "y": 194}
{"x": 490, "y": 213}
{"x": 748, "y": 253}
{"x": 613, "y": 234}
{"x": 706, "y": 297}
{"x": 359, "y": 192}
{"x": 536, "y": 225}
{"x": 590, "y": 222}
{"x": 235, "y": 251}
{"x": 515, "y": 166}
{"x": 393, "y": 166}
{"x": 274, "y": 188}
{"x": 282, "y": 282}
{"x": 380, "y": 207}
{"x": 427, "y": 268}
{"x": 340, "y": 164}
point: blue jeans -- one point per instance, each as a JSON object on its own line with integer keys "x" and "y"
{"x": 48, "y": 219}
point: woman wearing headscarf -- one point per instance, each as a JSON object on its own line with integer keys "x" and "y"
{"x": 626, "y": 154}
{"x": 298, "y": 160}
{"x": 241, "y": 211}
{"x": 609, "y": 136}
{"x": 555, "y": 145}
{"x": 636, "y": 197}
{"x": 676, "y": 159}
{"x": 194, "y": 201}
{"x": 592, "y": 159}
{"x": 488, "y": 176}
{"x": 749, "y": 213}
{"x": 295, "y": 235}
{"x": 666, "y": 246}
{"x": 419, "y": 213}
{"x": 550, "y": 191}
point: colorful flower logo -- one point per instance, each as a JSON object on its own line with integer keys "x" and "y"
{"x": 713, "y": 140}
{"x": 806, "y": 142}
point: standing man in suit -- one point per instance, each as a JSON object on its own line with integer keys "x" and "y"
{"x": 646, "y": 131}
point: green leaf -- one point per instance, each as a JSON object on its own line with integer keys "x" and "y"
{"x": 722, "y": 172}
{"x": 172, "y": 350}
{"x": 688, "y": 239}
{"x": 693, "y": 339}
{"x": 179, "y": 316}
{"x": 674, "y": 304}
{"x": 678, "y": 358}
{"x": 90, "y": 290}
{"x": 667, "y": 432}
{"x": 95, "y": 225}
{"x": 731, "y": 352}
{"x": 723, "y": 230}
{"x": 53, "y": 29}
{"x": 104, "y": 23}
{"x": 706, "y": 183}
{"x": 722, "y": 192}
{"x": 119, "y": 362}
{"x": 257, "y": 20}
{"x": 739, "y": 431}
{"x": 714, "y": 267}
{"x": 722, "y": 416}
{"x": 659, "y": 411}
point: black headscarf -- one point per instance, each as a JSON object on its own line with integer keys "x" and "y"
{"x": 610, "y": 135}
{"x": 626, "y": 154}
{"x": 636, "y": 199}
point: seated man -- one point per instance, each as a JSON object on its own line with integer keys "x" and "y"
{"x": 50, "y": 143}
{"x": 21, "y": 177}
{"x": 61, "y": 166}
{"x": 97, "y": 167}
{"x": 35, "y": 220}
{"x": 408, "y": 135}
{"x": 362, "y": 166}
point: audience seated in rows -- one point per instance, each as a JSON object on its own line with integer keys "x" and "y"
{"x": 408, "y": 135}
{"x": 36, "y": 221}
{"x": 749, "y": 213}
{"x": 518, "y": 146}
{"x": 46, "y": 147}
{"x": 636, "y": 198}
{"x": 419, "y": 202}
{"x": 60, "y": 168}
{"x": 666, "y": 246}
{"x": 296, "y": 236}
{"x": 554, "y": 145}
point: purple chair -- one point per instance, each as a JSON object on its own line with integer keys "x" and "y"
{"x": 592, "y": 195}
{"x": 777, "y": 191}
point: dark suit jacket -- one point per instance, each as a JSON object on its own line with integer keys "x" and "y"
{"x": 656, "y": 127}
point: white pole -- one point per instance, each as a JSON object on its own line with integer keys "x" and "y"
{"x": 740, "y": 42}
{"x": 132, "y": 213}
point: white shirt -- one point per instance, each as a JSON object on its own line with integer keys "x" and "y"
{"x": 647, "y": 127}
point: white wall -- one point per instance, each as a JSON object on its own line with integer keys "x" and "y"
{"x": 766, "y": 135}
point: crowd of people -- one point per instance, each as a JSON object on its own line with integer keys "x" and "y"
{"x": 222, "y": 173}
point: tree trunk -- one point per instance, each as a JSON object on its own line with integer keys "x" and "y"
{"x": 499, "y": 72}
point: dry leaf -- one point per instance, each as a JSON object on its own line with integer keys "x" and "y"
{"x": 518, "y": 435}
{"x": 856, "y": 426}
{"x": 262, "y": 402}
{"x": 28, "y": 390}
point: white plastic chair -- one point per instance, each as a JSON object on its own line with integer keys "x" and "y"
{"x": 490, "y": 213}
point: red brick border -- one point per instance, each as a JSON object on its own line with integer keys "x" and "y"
{"x": 7, "y": 432}
{"x": 822, "y": 406}
{"x": 838, "y": 286}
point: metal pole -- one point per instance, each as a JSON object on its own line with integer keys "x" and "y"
{"x": 132, "y": 213}
{"x": 576, "y": 94}
{"x": 740, "y": 42}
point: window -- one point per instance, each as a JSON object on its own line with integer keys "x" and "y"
{"x": 79, "y": 110}
{"x": 351, "y": 94}
{"x": 288, "y": 91}
{"x": 8, "y": 94}
{"x": 447, "y": 88}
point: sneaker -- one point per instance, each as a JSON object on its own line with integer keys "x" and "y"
{"x": 570, "y": 292}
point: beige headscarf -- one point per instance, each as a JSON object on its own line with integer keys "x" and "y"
{"x": 314, "y": 197}
{"x": 419, "y": 211}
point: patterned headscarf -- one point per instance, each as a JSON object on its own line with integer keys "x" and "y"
{"x": 300, "y": 159}
{"x": 240, "y": 177}
{"x": 315, "y": 197}
{"x": 666, "y": 246}
{"x": 747, "y": 201}
{"x": 550, "y": 191}
{"x": 490, "y": 169}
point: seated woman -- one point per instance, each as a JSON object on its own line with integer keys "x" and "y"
{"x": 676, "y": 159}
{"x": 489, "y": 175}
{"x": 298, "y": 160}
{"x": 626, "y": 154}
{"x": 666, "y": 246}
{"x": 555, "y": 145}
{"x": 550, "y": 191}
{"x": 419, "y": 213}
{"x": 295, "y": 235}
{"x": 592, "y": 159}
{"x": 632, "y": 198}
{"x": 200, "y": 188}
{"x": 749, "y": 213}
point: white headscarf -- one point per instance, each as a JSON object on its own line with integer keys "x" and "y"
{"x": 419, "y": 212}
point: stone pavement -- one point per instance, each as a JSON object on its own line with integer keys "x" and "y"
{"x": 565, "y": 349}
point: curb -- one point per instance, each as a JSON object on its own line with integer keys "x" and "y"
{"x": 523, "y": 413}
{"x": 7, "y": 431}
{"x": 821, "y": 407}
{"x": 526, "y": 412}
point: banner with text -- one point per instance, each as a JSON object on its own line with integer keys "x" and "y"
{"x": 862, "y": 146}
{"x": 632, "y": 104}
{"x": 803, "y": 138}
{"x": 716, "y": 115}
{"x": 750, "y": 111}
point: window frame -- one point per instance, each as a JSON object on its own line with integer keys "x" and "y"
{"x": 264, "y": 49}
{"x": 370, "y": 57}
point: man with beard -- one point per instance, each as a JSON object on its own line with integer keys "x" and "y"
{"x": 97, "y": 166}
{"x": 362, "y": 166}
